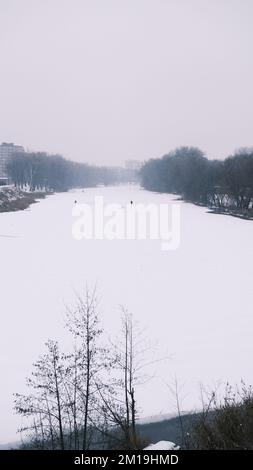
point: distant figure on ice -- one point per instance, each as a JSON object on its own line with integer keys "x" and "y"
{"x": 75, "y": 201}
{"x": 131, "y": 202}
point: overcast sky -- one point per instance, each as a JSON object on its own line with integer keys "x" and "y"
{"x": 108, "y": 80}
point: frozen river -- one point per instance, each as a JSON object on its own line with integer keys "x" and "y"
{"x": 196, "y": 302}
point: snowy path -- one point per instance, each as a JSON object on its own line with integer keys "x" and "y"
{"x": 197, "y": 301}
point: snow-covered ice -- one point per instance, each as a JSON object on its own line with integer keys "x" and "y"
{"x": 162, "y": 445}
{"x": 195, "y": 301}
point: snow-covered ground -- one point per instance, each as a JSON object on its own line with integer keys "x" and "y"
{"x": 197, "y": 301}
{"x": 162, "y": 445}
{"x": 9, "y": 193}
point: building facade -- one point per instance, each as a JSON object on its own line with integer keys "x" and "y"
{"x": 6, "y": 151}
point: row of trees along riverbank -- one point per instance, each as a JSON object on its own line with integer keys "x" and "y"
{"x": 223, "y": 185}
{"x": 41, "y": 171}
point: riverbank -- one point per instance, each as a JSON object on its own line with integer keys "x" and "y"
{"x": 13, "y": 199}
{"x": 239, "y": 215}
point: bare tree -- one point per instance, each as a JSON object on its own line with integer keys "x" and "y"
{"x": 129, "y": 360}
{"x": 88, "y": 396}
{"x": 46, "y": 403}
{"x": 90, "y": 358}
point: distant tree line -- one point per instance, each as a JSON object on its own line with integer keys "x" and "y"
{"x": 221, "y": 184}
{"x": 40, "y": 171}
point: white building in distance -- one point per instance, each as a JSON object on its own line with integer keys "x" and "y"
{"x": 6, "y": 151}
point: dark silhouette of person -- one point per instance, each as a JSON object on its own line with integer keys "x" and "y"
{"x": 75, "y": 201}
{"x": 131, "y": 202}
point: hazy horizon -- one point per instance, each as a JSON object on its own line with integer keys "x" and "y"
{"x": 107, "y": 81}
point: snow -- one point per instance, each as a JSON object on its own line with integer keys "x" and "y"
{"x": 196, "y": 302}
{"x": 162, "y": 445}
{"x": 9, "y": 193}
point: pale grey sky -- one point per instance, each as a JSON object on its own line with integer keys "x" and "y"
{"x": 108, "y": 80}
